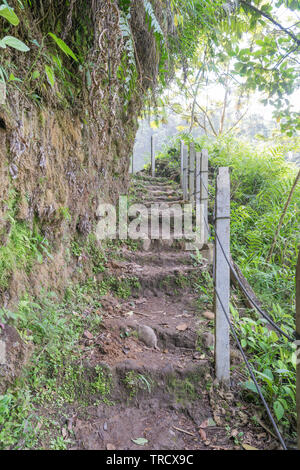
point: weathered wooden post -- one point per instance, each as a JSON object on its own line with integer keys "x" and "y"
{"x": 298, "y": 345}
{"x": 181, "y": 163}
{"x": 198, "y": 178}
{"x": 152, "y": 156}
{"x": 204, "y": 192}
{"x": 198, "y": 206}
{"x": 185, "y": 173}
{"x": 222, "y": 275}
{"x": 192, "y": 173}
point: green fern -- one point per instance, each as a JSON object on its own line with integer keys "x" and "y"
{"x": 158, "y": 34}
{"x": 127, "y": 71}
{"x": 152, "y": 20}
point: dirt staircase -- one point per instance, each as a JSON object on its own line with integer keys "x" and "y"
{"x": 162, "y": 396}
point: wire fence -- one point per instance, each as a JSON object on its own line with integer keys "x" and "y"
{"x": 185, "y": 171}
{"x": 255, "y": 305}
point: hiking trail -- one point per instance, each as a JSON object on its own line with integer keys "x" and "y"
{"x": 165, "y": 397}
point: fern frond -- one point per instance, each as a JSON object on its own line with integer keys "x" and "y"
{"x": 128, "y": 70}
{"x": 152, "y": 20}
{"x": 157, "y": 32}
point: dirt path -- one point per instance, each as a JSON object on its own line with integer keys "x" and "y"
{"x": 165, "y": 396}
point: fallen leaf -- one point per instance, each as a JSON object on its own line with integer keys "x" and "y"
{"x": 64, "y": 432}
{"x": 209, "y": 422}
{"x": 129, "y": 314}
{"x": 115, "y": 264}
{"x": 88, "y": 335}
{"x": 110, "y": 447}
{"x": 140, "y": 441}
{"x": 209, "y": 315}
{"x": 182, "y": 327}
{"x": 247, "y": 447}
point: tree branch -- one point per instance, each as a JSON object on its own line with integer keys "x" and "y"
{"x": 282, "y": 217}
{"x": 265, "y": 15}
{"x": 237, "y": 122}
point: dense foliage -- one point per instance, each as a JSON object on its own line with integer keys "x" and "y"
{"x": 244, "y": 37}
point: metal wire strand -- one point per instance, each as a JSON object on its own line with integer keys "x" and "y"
{"x": 251, "y": 373}
{"x": 257, "y": 307}
{"x": 234, "y": 332}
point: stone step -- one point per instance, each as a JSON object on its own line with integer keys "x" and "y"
{"x": 161, "y": 368}
{"x": 170, "y": 205}
{"x": 152, "y": 187}
{"x": 168, "y": 258}
{"x": 159, "y": 193}
{"x": 158, "y": 259}
{"x": 153, "y": 179}
{"x": 176, "y": 220}
{"x": 161, "y": 245}
{"x": 158, "y": 280}
{"x": 149, "y": 199}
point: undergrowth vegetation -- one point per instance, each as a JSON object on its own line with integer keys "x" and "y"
{"x": 59, "y": 376}
{"x": 261, "y": 180}
{"x": 23, "y": 245}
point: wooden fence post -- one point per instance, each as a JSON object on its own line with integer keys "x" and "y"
{"x": 181, "y": 163}
{"x": 152, "y": 156}
{"x": 198, "y": 178}
{"x": 192, "y": 173}
{"x": 204, "y": 192}
{"x": 198, "y": 206}
{"x": 222, "y": 275}
{"x": 185, "y": 173}
{"x": 298, "y": 345}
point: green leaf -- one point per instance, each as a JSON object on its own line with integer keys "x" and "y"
{"x": 36, "y": 74}
{"x": 11, "y": 41}
{"x": 12, "y": 78}
{"x": 63, "y": 46}
{"x": 140, "y": 441}
{"x": 266, "y": 377}
{"x": 250, "y": 386}
{"x": 9, "y": 15}
{"x": 282, "y": 371}
{"x": 50, "y": 75}
{"x": 2, "y": 77}
{"x": 210, "y": 422}
{"x": 279, "y": 410}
